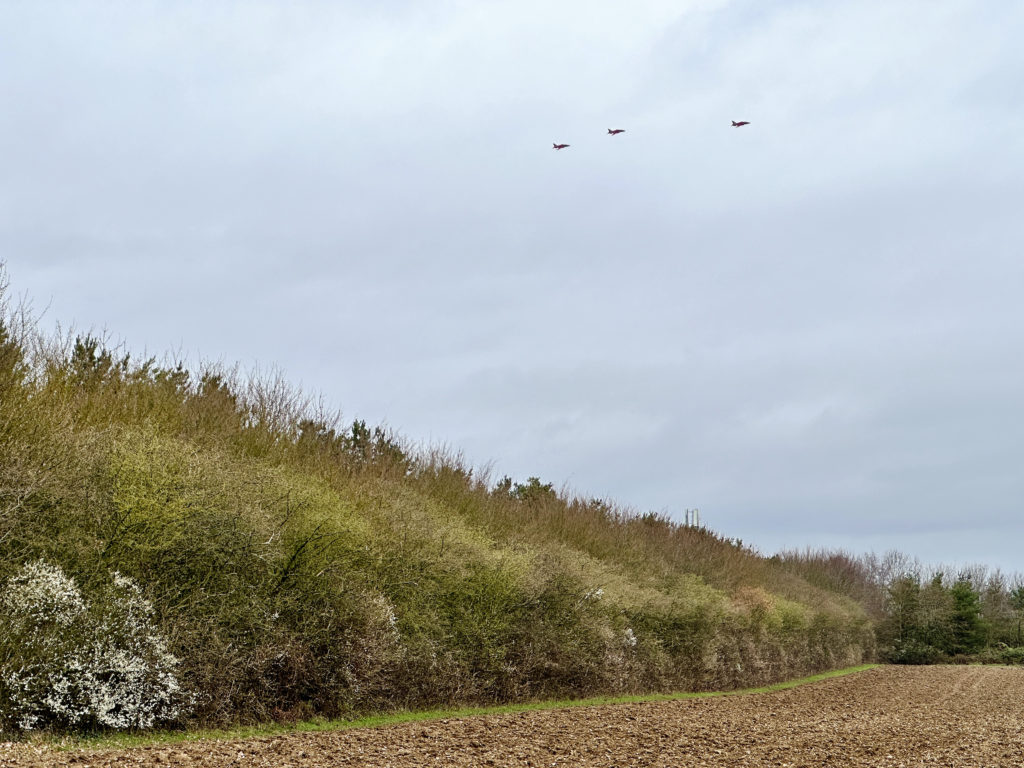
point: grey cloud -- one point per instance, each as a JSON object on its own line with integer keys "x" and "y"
{"x": 807, "y": 327}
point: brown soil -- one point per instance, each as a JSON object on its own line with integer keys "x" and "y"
{"x": 891, "y": 716}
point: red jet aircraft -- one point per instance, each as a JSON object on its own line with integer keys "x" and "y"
{"x": 559, "y": 146}
{"x": 740, "y": 124}
{"x": 616, "y": 131}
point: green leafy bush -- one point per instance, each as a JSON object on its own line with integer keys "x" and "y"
{"x": 1000, "y": 655}
{"x": 913, "y": 651}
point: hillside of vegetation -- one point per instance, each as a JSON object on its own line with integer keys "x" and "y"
{"x": 194, "y": 547}
{"x": 281, "y": 566}
{"x": 191, "y": 547}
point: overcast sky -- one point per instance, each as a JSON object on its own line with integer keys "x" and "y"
{"x": 810, "y": 327}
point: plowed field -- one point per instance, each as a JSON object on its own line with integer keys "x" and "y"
{"x": 969, "y": 717}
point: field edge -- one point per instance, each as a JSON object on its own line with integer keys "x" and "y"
{"x": 128, "y": 741}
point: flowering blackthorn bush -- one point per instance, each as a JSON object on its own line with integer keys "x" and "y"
{"x": 629, "y": 638}
{"x": 72, "y": 663}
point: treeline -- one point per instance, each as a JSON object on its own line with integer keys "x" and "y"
{"x": 926, "y": 614}
{"x": 194, "y": 546}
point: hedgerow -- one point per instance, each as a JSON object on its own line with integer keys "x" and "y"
{"x": 274, "y": 562}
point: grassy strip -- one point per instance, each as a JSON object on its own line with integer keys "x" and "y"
{"x": 125, "y": 741}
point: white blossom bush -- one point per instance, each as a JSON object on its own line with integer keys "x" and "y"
{"x": 377, "y": 647}
{"x": 629, "y": 638}
{"x": 71, "y": 663}
{"x": 39, "y": 595}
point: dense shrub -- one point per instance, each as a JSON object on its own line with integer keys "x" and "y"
{"x": 69, "y": 662}
{"x": 913, "y": 651}
{"x": 1000, "y": 655}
